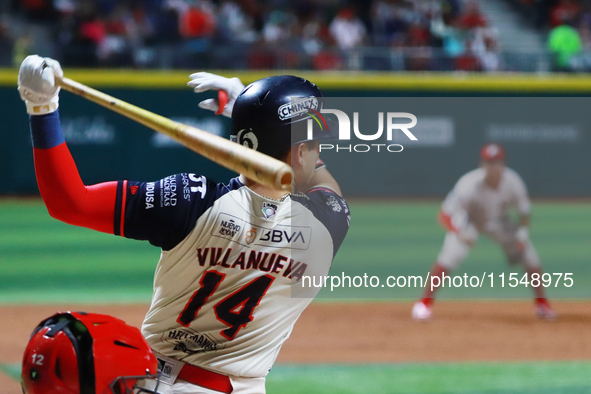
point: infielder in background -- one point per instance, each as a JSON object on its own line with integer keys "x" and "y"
{"x": 479, "y": 203}
{"x": 222, "y": 304}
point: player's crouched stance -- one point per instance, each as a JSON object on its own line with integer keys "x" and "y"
{"x": 232, "y": 253}
{"x": 479, "y": 203}
{"x": 86, "y": 353}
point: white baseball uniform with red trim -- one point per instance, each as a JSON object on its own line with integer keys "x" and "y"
{"x": 225, "y": 289}
{"x": 473, "y": 207}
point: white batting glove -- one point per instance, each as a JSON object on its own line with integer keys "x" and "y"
{"x": 202, "y": 82}
{"x": 37, "y": 86}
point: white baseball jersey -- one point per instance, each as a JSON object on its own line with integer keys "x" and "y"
{"x": 223, "y": 286}
{"x": 484, "y": 205}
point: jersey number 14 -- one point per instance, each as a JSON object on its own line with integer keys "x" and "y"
{"x": 235, "y": 310}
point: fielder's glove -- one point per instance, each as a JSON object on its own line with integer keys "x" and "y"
{"x": 37, "y": 85}
{"x": 202, "y": 82}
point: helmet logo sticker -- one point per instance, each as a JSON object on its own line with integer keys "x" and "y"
{"x": 297, "y": 106}
{"x": 247, "y": 138}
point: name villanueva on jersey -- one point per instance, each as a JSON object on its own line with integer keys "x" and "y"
{"x": 392, "y": 120}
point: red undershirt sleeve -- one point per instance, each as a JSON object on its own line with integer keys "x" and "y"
{"x": 65, "y": 195}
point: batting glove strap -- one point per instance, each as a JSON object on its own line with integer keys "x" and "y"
{"x": 202, "y": 82}
{"x": 46, "y": 131}
{"x": 36, "y": 108}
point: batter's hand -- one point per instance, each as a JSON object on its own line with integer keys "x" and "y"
{"x": 202, "y": 82}
{"x": 37, "y": 85}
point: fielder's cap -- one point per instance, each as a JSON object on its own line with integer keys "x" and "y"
{"x": 272, "y": 114}
{"x": 490, "y": 152}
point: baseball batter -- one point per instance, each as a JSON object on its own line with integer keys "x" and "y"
{"x": 479, "y": 204}
{"x": 232, "y": 253}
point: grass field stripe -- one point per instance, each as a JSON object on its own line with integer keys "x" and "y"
{"x": 12, "y": 370}
{"x": 40, "y": 256}
{"x": 556, "y": 377}
{"x": 563, "y": 377}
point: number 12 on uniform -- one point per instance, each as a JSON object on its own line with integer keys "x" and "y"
{"x": 235, "y": 310}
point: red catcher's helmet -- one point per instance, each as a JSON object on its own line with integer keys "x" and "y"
{"x": 491, "y": 152}
{"x": 85, "y": 353}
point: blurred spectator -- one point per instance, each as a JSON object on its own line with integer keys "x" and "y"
{"x": 166, "y": 38}
{"x": 416, "y": 34}
{"x": 311, "y": 33}
{"x": 279, "y": 27}
{"x": 36, "y": 10}
{"x": 114, "y": 49}
{"x": 6, "y": 46}
{"x": 565, "y": 11}
{"x": 390, "y": 22}
{"x": 468, "y": 61}
{"x": 485, "y": 47}
{"x": 197, "y": 21}
{"x": 471, "y": 18}
{"x": 564, "y": 42}
{"x": 582, "y": 62}
{"x": 328, "y": 59}
{"x": 139, "y": 29}
{"x": 450, "y": 10}
{"x": 197, "y": 26}
{"x": 234, "y": 24}
{"x": 21, "y": 49}
{"x": 166, "y": 26}
{"x": 347, "y": 29}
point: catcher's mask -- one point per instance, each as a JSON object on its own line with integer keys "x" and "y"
{"x": 86, "y": 353}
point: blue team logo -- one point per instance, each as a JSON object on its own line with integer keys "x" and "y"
{"x": 269, "y": 209}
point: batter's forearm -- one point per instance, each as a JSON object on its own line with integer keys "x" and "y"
{"x": 65, "y": 195}
{"x": 524, "y": 220}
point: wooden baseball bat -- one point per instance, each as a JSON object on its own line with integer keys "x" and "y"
{"x": 252, "y": 164}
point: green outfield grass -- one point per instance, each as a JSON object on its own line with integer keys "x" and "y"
{"x": 457, "y": 378}
{"x": 43, "y": 260}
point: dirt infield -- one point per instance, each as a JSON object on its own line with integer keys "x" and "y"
{"x": 378, "y": 332}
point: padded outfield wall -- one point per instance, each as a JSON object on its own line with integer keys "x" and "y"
{"x": 543, "y": 121}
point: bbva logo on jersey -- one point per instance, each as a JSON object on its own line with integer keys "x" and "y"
{"x": 247, "y": 234}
